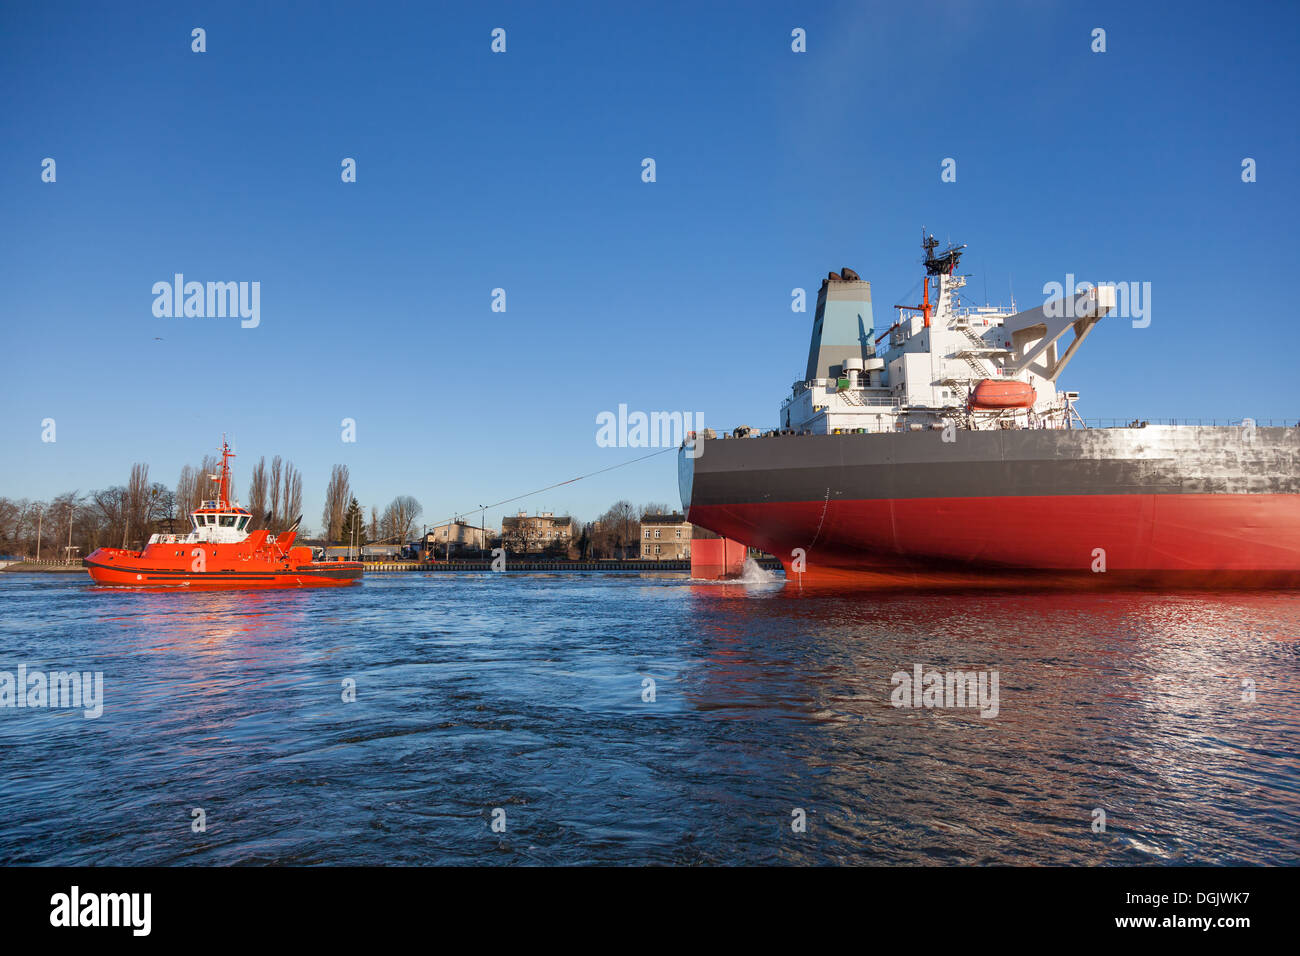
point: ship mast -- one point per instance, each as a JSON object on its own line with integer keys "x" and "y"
{"x": 223, "y": 493}
{"x": 943, "y": 264}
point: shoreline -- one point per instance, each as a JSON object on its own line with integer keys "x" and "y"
{"x": 394, "y": 567}
{"x": 32, "y": 567}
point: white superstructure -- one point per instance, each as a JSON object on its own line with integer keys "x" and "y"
{"x": 212, "y": 524}
{"x": 922, "y": 372}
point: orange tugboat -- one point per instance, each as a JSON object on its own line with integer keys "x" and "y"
{"x": 220, "y": 553}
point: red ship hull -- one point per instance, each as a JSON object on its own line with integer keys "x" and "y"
{"x": 1199, "y": 540}
{"x": 1162, "y": 506}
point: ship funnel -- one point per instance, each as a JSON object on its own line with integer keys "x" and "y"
{"x": 842, "y": 326}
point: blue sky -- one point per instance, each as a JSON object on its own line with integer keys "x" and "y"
{"x": 522, "y": 171}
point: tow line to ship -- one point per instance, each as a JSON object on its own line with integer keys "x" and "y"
{"x": 590, "y": 474}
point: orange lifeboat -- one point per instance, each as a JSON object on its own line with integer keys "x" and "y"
{"x": 997, "y": 394}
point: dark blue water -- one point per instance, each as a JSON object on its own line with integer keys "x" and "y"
{"x": 525, "y": 694}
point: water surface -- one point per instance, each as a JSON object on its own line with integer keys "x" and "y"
{"x": 524, "y": 694}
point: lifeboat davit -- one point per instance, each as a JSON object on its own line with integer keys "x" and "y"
{"x": 997, "y": 394}
{"x": 220, "y": 552}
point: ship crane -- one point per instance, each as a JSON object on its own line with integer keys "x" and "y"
{"x": 1034, "y": 333}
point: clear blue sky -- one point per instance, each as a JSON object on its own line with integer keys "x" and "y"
{"x": 523, "y": 171}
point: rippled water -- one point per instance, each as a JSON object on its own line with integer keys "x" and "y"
{"x": 525, "y": 694}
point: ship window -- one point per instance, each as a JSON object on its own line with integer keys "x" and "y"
{"x": 243, "y": 522}
{"x": 227, "y": 521}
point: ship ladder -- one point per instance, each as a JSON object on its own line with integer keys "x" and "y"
{"x": 975, "y": 366}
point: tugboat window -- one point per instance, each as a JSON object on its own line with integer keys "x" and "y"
{"x": 242, "y": 521}
{"x": 227, "y": 521}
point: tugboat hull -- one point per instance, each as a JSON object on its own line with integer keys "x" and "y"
{"x": 305, "y": 576}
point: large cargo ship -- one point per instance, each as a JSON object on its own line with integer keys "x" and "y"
{"x": 220, "y": 552}
{"x": 942, "y": 452}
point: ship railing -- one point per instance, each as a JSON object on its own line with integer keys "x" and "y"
{"x": 170, "y": 538}
{"x": 965, "y": 315}
{"x": 875, "y": 401}
{"x": 1203, "y": 422}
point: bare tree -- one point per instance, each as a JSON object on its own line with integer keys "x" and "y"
{"x": 209, "y": 474}
{"x": 11, "y": 526}
{"x": 137, "y": 501}
{"x": 273, "y": 492}
{"x": 579, "y": 539}
{"x": 109, "y": 507}
{"x": 620, "y": 528}
{"x": 292, "y": 494}
{"x": 337, "y": 495}
{"x": 514, "y": 534}
{"x": 161, "y": 507}
{"x": 257, "y": 493}
{"x": 398, "y": 518}
{"x": 187, "y": 489}
{"x": 195, "y": 484}
{"x": 24, "y": 526}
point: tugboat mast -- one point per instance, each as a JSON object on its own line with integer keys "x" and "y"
{"x": 223, "y": 491}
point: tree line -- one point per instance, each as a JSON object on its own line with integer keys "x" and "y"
{"x": 76, "y": 523}
{"x": 344, "y": 521}
{"x": 124, "y": 516}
